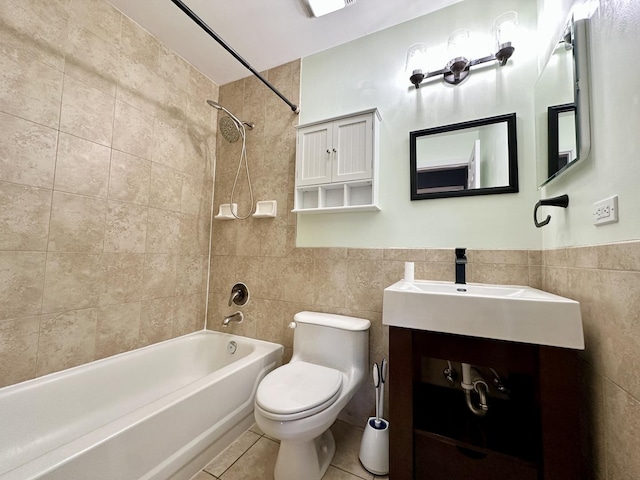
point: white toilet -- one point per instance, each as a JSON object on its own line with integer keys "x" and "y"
{"x": 298, "y": 402}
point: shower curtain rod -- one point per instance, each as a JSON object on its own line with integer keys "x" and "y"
{"x": 235, "y": 54}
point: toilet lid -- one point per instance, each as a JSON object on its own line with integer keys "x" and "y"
{"x": 297, "y": 387}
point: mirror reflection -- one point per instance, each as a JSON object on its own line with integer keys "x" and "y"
{"x": 561, "y": 106}
{"x": 561, "y": 135}
{"x": 470, "y": 158}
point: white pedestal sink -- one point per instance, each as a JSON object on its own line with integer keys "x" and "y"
{"x": 501, "y": 312}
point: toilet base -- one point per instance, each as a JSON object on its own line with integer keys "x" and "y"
{"x": 305, "y": 460}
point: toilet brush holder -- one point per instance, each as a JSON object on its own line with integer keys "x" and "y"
{"x": 374, "y": 449}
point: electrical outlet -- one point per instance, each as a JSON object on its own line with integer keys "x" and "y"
{"x": 605, "y": 211}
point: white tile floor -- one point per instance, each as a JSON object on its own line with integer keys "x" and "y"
{"x": 253, "y": 457}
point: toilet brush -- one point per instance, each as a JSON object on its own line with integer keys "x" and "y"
{"x": 383, "y": 377}
{"x": 376, "y": 384}
{"x": 374, "y": 448}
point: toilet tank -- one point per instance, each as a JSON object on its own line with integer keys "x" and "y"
{"x": 335, "y": 341}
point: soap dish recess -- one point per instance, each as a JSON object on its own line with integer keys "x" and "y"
{"x": 266, "y": 209}
{"x": 224, "y": 212}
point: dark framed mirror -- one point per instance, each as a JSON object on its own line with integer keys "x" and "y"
{"x": 479, "y": 157}
{"x": 561, "y": 136}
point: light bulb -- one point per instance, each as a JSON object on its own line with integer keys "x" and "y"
{"x": 416, "y": 61}
{"x": 416, "y": 58}
{"x": 505, "y": 29}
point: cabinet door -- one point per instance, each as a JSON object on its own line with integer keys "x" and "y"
{"x": 352, "y": 148}
{"x": 314, "y": 155}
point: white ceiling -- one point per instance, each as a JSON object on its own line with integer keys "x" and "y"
{"x": 267, "y": 33}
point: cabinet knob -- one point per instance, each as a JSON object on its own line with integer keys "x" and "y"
{"x": 328, "y": 151}
{"x": 335, "y": 151}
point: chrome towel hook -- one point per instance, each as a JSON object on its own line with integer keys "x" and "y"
{"x": 561, "y": 201}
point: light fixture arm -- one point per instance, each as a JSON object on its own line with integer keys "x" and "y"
{"x": 454, "y": 78}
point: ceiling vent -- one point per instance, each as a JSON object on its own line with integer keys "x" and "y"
{"x": 322, "y": 7}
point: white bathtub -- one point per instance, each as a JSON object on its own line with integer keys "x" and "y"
{"x": 160, "y": 412}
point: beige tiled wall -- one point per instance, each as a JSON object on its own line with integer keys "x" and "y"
{"x": 606, "y": 281}
{"x": 106, "y": 163}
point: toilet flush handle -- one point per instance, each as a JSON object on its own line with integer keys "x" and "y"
{"x": 293, "y": 325}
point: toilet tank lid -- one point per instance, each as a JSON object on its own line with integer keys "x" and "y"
{"x": 331, "y": 320}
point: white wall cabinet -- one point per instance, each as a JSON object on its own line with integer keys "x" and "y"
{"x": 336, "y": 164}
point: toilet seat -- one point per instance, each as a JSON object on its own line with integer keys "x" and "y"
{"x": 297, "y": 390}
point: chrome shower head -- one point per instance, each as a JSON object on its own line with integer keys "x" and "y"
{"x": 229, "y": 129}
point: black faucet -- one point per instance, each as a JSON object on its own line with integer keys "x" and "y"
{"x": 461, "y": 262}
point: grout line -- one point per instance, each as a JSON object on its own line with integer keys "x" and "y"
{"x": 38, "y": 360}
{"x": 241, "y": 455}
{"x": 351, "y": 473}
{"x": 616, "y": 384}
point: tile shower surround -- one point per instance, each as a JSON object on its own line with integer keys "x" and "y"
{"x": 106, "y": 166}
{"x": 104, "y": 143}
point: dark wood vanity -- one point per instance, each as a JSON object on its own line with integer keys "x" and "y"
{"x": 529, "y": 433}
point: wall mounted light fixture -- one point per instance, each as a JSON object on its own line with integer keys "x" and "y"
{"x": 457, "y": 69}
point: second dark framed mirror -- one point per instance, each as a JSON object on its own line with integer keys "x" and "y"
{"x": 479, "y": 157}
{"x": 561, "y": 136}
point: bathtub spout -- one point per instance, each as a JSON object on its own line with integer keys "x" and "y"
{"x": 236, "y": 317}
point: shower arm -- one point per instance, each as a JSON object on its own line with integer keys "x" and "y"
{"x": 239, "y": 122}
{"x": 190, "y": 13}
